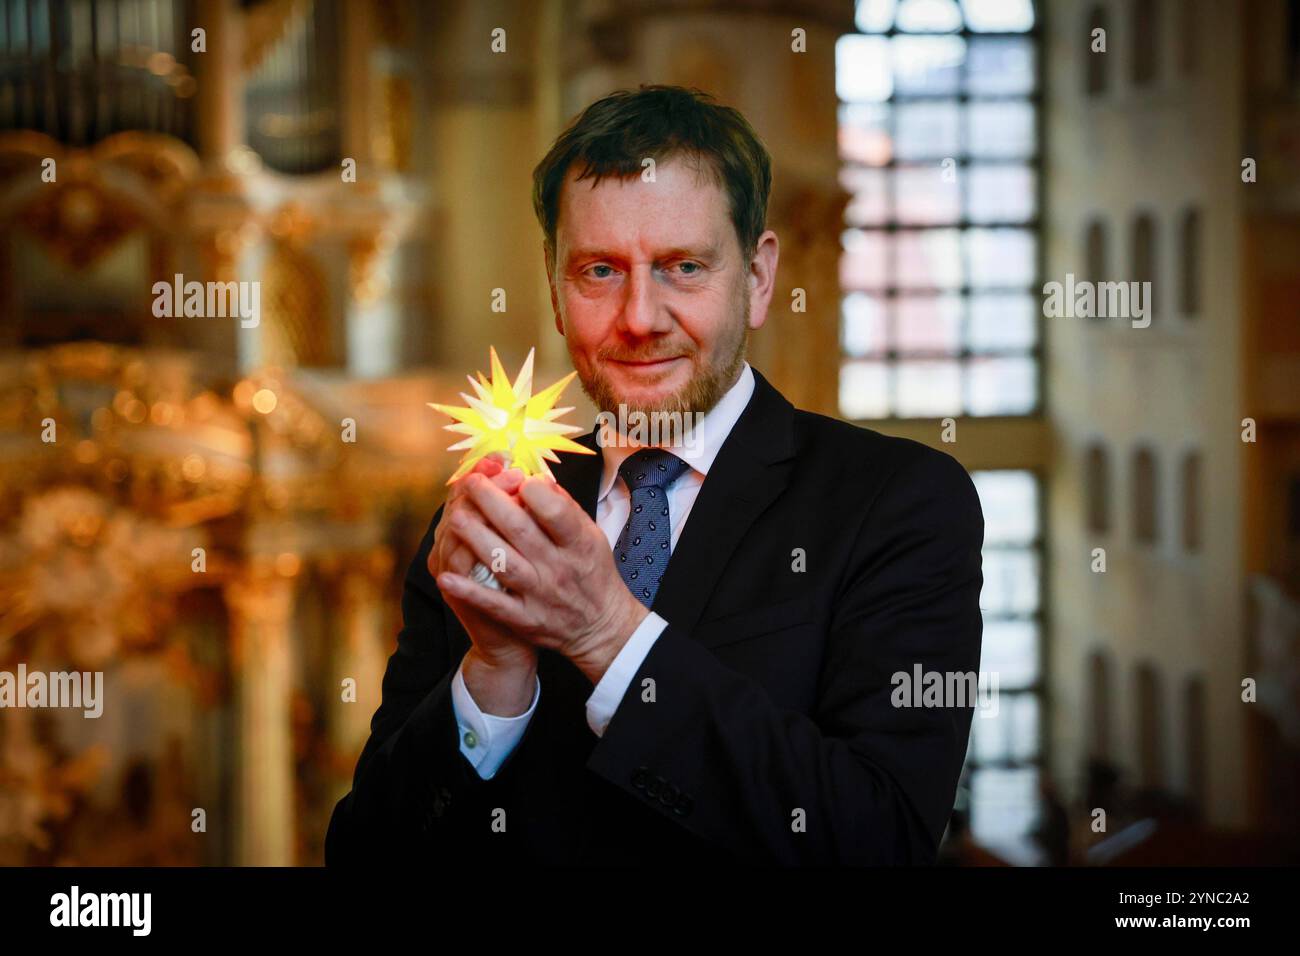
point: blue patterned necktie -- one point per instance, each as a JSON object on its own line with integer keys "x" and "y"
{"x": 642, "y": 549}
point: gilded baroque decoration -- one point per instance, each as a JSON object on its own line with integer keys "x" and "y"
{"x": 168, "y": 488}
{"x": 98, "y": 196}
{"x": 295, "y": 309}
{"x": 367, "y": 252}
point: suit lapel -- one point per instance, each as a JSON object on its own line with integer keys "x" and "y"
{"x": 751, "y": 470}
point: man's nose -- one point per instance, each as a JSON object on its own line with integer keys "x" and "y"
{"x": 643, "y": 310}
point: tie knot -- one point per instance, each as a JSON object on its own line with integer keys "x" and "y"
{"x": 651, "y": 468}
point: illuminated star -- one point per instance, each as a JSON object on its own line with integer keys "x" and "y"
{"x": 507, "y": 418}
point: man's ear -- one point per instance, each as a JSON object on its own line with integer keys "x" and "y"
{"x": 762, "y": 277}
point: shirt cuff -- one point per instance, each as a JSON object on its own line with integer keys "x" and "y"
{"x": 485, "y": 739}
{"x": 604, "y": 700}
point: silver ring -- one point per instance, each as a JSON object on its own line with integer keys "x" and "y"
{"x": 481, "y": 575}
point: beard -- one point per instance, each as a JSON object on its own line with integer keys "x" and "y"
{"x": 707, "y": 384}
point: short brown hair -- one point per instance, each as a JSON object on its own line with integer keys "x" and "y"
{"x": 615, "y": 134}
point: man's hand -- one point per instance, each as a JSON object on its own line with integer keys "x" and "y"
{"x": 565, "y": 592}
{"x": 449, "y": 553}
{"x": 499, "y": 667}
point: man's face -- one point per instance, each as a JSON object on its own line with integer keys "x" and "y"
{"x": 651, "y": 292}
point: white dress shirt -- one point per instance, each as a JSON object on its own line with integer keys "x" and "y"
{"x": 487, "y": 740}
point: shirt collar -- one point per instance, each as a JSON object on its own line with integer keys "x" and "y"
{"x": 702, "y": 445}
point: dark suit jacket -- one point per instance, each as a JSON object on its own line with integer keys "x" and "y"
{"x": 819, "y": 559}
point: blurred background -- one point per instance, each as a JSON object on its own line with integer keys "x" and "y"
{"x": 936, "y": 162}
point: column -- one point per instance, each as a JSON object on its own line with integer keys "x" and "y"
{"x": 261, "y": 607}
{"x": 220, "y": 75}
{"x": 360, "y": 651}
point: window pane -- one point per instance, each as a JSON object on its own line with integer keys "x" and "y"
{"x": 1010, "y": 502}
{"x": 864, "y": 390}
{"x": 1001, "y": 322}
{"x": 1000, "y": 67}
{"x": 862, "y": 68}
{"x": 1023, "y": 725}
{"x": 869, "y": 196}
{"x": 923, "y": 197}
{"x": 1010, "y": 581}
{"x": 929, "y": 15}
{"x": 928, "y": 388}
{"x": 874, "y": 16}
{"x": 928, "y": 65}
{"x": 864, "y": 133}
{"x": 862, "y": 266}
{"x": 927, "y": 323}
{"x": 990, "y": 732}
{"x": 1004, "y": 804}
{"x": 1001, "y": 130}
{"x": 1001, "y": 257}
{"x": 1002, "y": 193}
{"x": 929, "y": 259}
{"x": 1010, "y": 731}
{"x": 999, "y": 16}
{"x": 1007, "y": 732}
{"x": 1003, "y": 386}
{"x": 930, "y": 131}
{"x": 864, "y": 325}
{"x": 1010, "y": 650}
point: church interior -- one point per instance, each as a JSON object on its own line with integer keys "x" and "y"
{"x": 216, "y": 508}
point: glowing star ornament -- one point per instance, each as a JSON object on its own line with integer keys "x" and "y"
{"x": 508, "y": 420}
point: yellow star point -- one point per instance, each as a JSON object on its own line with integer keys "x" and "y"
{"x": 505, "y": 417}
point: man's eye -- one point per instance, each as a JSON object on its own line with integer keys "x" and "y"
{"x": 689, "y": 268}
{"x": 599, "y": 265}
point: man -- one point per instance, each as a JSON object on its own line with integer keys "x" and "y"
{"x": 691, "y": 656}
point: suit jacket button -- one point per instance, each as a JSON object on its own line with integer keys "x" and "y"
{"x": 654, "y": 786}
{"x": 638, "y": 777}
{"x": 683, "y": 805}
{"x": 668, "y": 796}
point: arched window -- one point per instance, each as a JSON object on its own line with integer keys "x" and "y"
{"x": 1150, "y": 728}
{"x": 1144, "y": 260}
{"x": 1146, "y": 525}
{"x": 1099, "y": 706}
{"x": 1097, "y": 489}
{"x": 1188, "y": 42}
{"x": 1095, "y": 72}
{"x": 1195, "y": 722}
{"x": 1191, "y": 495}
{"x": 1094, "y": 254}
{"x": 1189, "y": 241}
{"x": 1095, "y": 251}
{"x": 1144, "y": 64}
